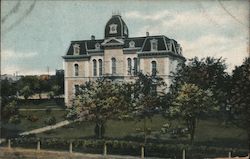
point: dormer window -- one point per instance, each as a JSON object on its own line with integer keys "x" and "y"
{"x": 113, "y": 28}
{"x": 154, "y": 45}
{"x": 131, "y": 44}
{"x": 76, "y": 48}
{"x": 97, "y": 46}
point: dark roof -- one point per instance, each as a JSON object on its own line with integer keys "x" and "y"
{"x": 122, "y": 29}
{"x": 141, "y": 43}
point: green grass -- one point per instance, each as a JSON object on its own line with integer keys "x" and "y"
{"x": 208, "y": 130}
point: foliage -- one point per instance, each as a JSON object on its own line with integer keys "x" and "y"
{"x": 26, "y": 92}
{"x": 15, "y": 119}
{"x": 10, "y": 110}
{"x": 206, "y": 73}
{"x": 190, "y": 103}
{"x": 56, "y": 90}
{"x": 48, "y": 110}
{"x": 32, "y": 118}
{"x": 99, "y": 101}
{"x": 50, "y": 120}
{"x": 123, "y": 147}
{"x": 8, "y": 88}
{"x": 146, "y": 100}
{"x": 71, "y": 113}
{"x": 240, "y": 96}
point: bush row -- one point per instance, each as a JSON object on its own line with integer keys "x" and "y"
{"x": 120, "y": 147}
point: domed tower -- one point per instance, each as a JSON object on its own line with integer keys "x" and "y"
{"x": 116, "y": 27}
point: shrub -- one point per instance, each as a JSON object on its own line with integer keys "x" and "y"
{"x": 50, "y": 120}
{"x": 48, "y": 110}
{"x": 32, "y": 118}
{"x": 15, "y": 119}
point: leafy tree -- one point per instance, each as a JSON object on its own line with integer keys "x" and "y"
{"x": 240, "y": 96}
{"x": 10, "y": 110}
{"x": 206, "y": 73}
{"x": 99, "y": 101}
{"x": 26, "y": 92}
{"x": 146, "y": 100}
{"x": 190, "y": 102}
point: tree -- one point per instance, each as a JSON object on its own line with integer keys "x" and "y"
{"x": 26, "y": 92}
{"x": 190, "y": 102}
{"x": 240, "y": 96}
{"x": 206, "y": 73}
{"x": 99, "y": 101}
{"x": 10, "y": 110}
{"x": 146, "y": 99}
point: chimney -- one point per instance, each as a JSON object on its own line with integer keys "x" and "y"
{"x": 147, "y": 33}
{"x": 92, "y": 37}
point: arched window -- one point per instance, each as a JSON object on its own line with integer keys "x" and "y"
{"x": 94, "y": 68}
{"x": 77, "y": 90}
{"x": 135, "y": 66}
{"x": 154, "y": 68}
{"x": 113, "y": 65}
{"x": 100, "y": 67}
{"x": 129, "y": 66}
{"x": 76, "y": 67}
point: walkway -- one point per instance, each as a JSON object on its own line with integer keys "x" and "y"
{"x": 47, "y": 128}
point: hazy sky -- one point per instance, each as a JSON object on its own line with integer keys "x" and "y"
{"x": 35, "y": 34}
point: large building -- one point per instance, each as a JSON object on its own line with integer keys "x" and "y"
{"x": 119, "y": 57}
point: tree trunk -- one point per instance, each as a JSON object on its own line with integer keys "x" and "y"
{"x": 99, "y": 130}
{"x": 193, "y": 126}
{"x": 145, "y": 131}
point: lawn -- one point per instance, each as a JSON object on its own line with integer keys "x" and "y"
{"x": 36, "y": 109}
{"x": 209, "y": 130}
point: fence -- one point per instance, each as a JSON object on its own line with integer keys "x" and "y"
{"x": 115, "y": 147}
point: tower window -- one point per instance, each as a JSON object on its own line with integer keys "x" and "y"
{"x": 97, "y": 46}
{"x": 100, "y": 67}
{"x": 129, "y": 66}
{"x": 154, "y": 68}
{"x": 131, "y": 44}
{"x": 113, "y": 28}
{"x": 76, "y": 69}
{"x": 154, "y": 45}
{"x": 135, "y": 66}
{"x": 76, "y": 48}
{"x": 94, "y": 68}
{"x": 113, "y": 60}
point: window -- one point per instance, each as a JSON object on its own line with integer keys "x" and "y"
{"x": 113, "y": 28}
{"x": 154, "y": 68}
{"x": 100, "y": 67}
{"x": 131, "y": 44}
{"x": 97, "y": 46}
{"x": 129, "y": 66}
{"x": 76, "y": 48}
{"x": 154, "y": 45}
{"x": 77, "y": 89}
{"x": 94, "y": 68}
{"x": 113, "y": 60}
{"x": 135, "y": 66}
{"x": 76, "y": 69}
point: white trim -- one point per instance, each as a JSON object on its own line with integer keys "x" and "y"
{"x": 76, "y": 49}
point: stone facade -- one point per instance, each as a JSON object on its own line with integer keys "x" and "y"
{"x": 119, "y": 57}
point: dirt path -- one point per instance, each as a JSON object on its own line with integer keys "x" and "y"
{"x": 47, "y": 128}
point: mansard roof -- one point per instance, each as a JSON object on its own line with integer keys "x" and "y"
{"x": 142, "y": 45}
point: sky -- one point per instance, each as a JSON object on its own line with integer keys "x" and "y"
{"x": 36, "y": 34}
